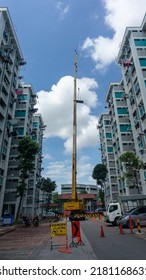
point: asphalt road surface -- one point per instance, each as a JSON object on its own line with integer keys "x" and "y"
{"x": 114, "y": 246}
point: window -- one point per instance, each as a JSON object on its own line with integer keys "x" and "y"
{"x": 109, "y": 149}
{"x": 107, "y": 122}
{"x": 35, "y": 124}
{"x": 142, "y": 61}
{"x": 125, "y": 127}
{"x": 141, "y": 210}
{"x": 20, "y": 113}
{"x": 20, "y": 130}
{"x": 34, "y": 137}
{"x": 140, "y": 42}
{"x": 122, "y": 111}
{"x": 119, "y": 94}
{"x": 113, "y": 208}
{"x": 23, "y": 97}
{"x": 108, "y": 135}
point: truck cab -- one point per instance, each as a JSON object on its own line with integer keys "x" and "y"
{"x": 113, "y": 213}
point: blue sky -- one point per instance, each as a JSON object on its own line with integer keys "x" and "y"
{"x": 49, "y": 31}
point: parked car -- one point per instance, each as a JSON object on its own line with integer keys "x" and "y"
{"x": 100, "y": 210}
{"x": 136, "y": 213}
{"x": 77, "y": 215}
{"x": 51, "y": 216}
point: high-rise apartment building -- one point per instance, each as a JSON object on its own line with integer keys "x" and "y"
{"x": 11, "y": 60}
{"x": 126, "y": 116}
{"x": 132, "y": 58}
{"x": 26, "y": 123}
{"x": 18, "y": 118}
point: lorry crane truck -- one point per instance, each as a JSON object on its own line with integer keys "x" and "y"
{"x": 74, "y": 204}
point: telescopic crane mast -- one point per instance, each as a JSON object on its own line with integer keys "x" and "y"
{"x": 74, "y": 154}
{"x": 74, "y": 204}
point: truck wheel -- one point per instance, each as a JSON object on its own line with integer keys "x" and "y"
{"x": 115, "y": 221}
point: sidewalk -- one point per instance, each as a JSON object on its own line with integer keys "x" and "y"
{"x": 39, "y": 247}
{"x": 81, "y": 252}
{"x": 4, "y": 230}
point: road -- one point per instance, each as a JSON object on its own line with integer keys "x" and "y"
{"x": 114, "y": 246}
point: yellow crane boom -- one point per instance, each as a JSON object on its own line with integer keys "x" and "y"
{"x": 74, "y": 204}
{"x": 74, "y": 154}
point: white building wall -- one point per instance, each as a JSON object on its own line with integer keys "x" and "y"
{"x": 67, "y": 188}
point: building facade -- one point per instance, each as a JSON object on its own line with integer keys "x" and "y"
{"x": 123, "y": 127}
{"x": 26, "y": 123}
{"x": 81, "y": 188}
{"x": 11, "y": 60}
{"x": 18, "y": 118}
{"x": 89, "y": 194}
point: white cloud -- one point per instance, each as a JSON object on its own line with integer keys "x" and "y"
{"x": 56, "y": 108}
{"x": 84, "y": 168}
{"x": 62, "y": 8}
{"x": 47, "y": 156}
{"x": 119, "y": 14}
{"x": 87, "y": 135}
{"x": 60, "y": 171}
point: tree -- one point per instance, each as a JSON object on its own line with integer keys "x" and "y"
{"x": 132, "y": 165}
{"x": 99, "y": 174}
{"x": 47, "y": 185}
{"x": 27, "y": 150}
{"x": 55, "y": 197}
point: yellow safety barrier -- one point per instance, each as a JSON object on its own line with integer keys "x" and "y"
{"x": 86, "y": 215}
{"x": 138, "y": 225}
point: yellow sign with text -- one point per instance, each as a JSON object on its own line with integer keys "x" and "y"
{"x": 72, "y": 205}
{"x": 58, "y": 229}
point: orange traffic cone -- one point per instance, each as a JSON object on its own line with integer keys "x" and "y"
{"x": 100, "y": 217}
{"x": 94, "y": 219}
{"x": 121, "y": 229}
{"x": 102, "y": 232}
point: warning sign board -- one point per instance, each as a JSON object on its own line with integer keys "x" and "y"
{"x": 58, "y": 229}
{"x": 72, "y": 205}
{"x": 75, "y": 229}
